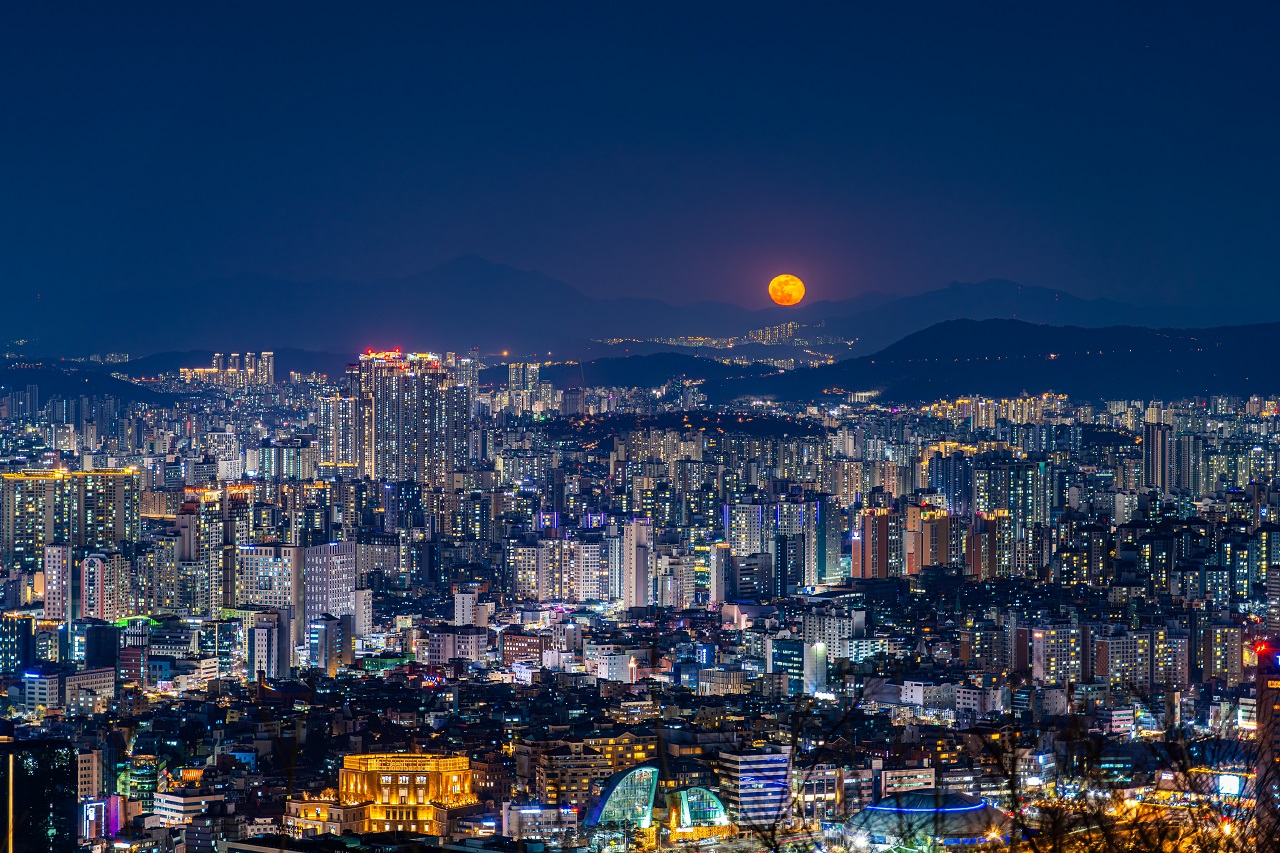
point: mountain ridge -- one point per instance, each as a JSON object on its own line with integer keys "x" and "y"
{"x": 469, "y": 301}
{"x": 1006, "y": 357}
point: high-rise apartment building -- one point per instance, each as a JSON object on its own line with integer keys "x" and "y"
{"x": 637, "y": 560}
{"x": 1157, "y": 456}
{"x": 59, "y": 564}
{"x": 337, "y": 432}
{"x": 413, "y": 419}
{"x": 37, "y": 508}
{"x": 1056, "y": 655}
{"x": 104, "y": 587}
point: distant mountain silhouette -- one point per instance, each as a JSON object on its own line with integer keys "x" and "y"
{"x": 879, "y": 326}
{"x": 1006, "y": 357}
{"x": 472, "y": 302}
{"x": 287, "y": 360}
{"x": 639, "y": 371}
{"x": 72, "y": 382}
{"x": 956, "y": 357}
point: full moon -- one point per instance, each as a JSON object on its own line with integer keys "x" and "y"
{"x": 786, "y": 290}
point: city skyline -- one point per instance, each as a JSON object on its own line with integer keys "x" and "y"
{"x": 621, "y": 428}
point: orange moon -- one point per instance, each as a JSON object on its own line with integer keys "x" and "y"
{"x": 786, "y": 290}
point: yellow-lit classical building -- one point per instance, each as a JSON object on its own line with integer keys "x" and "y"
{"x": 388, "y": 792}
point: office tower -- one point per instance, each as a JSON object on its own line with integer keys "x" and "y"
{"x": 1157, "y": 460}
{"x": 102, "y": 646}
{"x": 265, "y": 374}
{"x": 40, "y": 812}
{"x": 787, "y": 656}
{"x": 329, "y": 580}
{"x": 59, "y": 585}
{"x": 752, "y": 576}
{"x": 815, "y": 668}
{"x": 754, "y": 785}
{"x": 786, "y": 573}
{"x": 104, "y": 587}
{"x": 823, "y": 532}
{"x": 813, "y": 526}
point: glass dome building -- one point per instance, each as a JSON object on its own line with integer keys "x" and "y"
{"x": 626, "y": 799}
{"x": 627, "y": 804}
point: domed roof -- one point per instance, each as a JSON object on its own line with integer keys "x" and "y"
{"x": 929, "y": 813}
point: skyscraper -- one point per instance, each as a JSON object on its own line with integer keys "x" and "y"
{"x": 104, "y": 587}
{"x": 37, "y": 508}
{"x": 413, "y": 418}
{"x": 1157, "y": 457}
{"x": 637, "y": 545}
{"x": 337, "y": 422}
{"x": 95, "y": 509}
{"x": 59, "y": 566}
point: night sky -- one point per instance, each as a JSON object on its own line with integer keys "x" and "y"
{"x": 685, "y": 150}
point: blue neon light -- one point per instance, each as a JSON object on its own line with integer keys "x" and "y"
{"x": 928, "y": 811}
